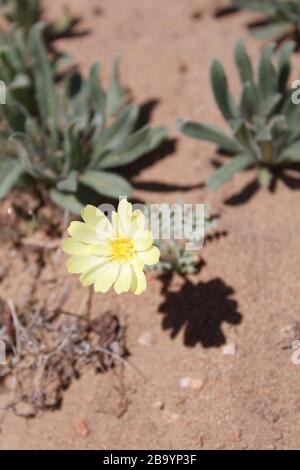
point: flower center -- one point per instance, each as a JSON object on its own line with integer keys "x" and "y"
{"x": 122, "y": 249}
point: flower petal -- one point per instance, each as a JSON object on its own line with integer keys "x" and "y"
{"x": 123, "y": 281}
{"x": 138, "y": 283}
{"x": 115, "y": 222}
{"x": 137, "y": 263}
{"x": 106, "y": 277}
{"x": 89, "y": 277}
{"x": 105, "y": 230}
{"x": 102, "y": 249}
{"x": 124, "y": 217}
{"x": 143, "y": 240}
{"x": 80, "y": 264}
{"x": 92, "y": 215}
{"x": 138, "y": 221}
{"x": 74, "y": 247}
{"x": 83, "y": 232}
{"x": 150, "y": 256}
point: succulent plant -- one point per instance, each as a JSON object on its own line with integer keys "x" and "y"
{"x": 14, "y": 65}
{"x": 16, "y": 69}
{"x": 25, "y": 13}
{"x": 79, "y": 136}
{"x": 264, "y": 125}
{"x": 281, "y": 17}
{"x": 174, "y": 255}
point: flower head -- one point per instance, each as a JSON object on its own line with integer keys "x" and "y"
{"x": 112, "y": 253}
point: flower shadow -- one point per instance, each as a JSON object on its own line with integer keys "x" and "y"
{"x": 200, "y": 310}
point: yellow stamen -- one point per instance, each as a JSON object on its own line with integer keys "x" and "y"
{"x": 122, "y": 249}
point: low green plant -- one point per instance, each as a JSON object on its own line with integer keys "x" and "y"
{"x": 174, "y": 255}
{"x": 281, "y": 17}
{"x": 264, "y": 124}
{"x": 22, "y": 12}
{"x": 25, "y": 13}
{"x": 15, "y": 66}
{"x": 16, "y": 69}
{"x": 79, "y": 137}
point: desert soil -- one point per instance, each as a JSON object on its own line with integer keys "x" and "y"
{"x": 246, "y": 297}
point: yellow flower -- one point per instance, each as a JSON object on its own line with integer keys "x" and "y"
{"x": 111, "y": 253}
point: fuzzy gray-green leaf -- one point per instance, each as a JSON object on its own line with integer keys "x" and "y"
{"x": 284, "y": 64}
{"x": 272, "y": 31}
{"x": 227, "y": 171}
{"x": 291, "y": 154}
{"x": 116, "y": 92}
{"x": 257, "y": 5}
{"x": 113, "y": 136}
{"x": 10, "y": 172}
{"x": 106, "y": 183}
{"x": 134, "y": 147}
{"x": 66, "y": 201}
{"x": 264, "y": 177}
{"x": 268, "y": 79}
{"x": 221, "y": 92}
{"x": 209, "y": 133}
{"x": 44, "y": 83}
{"x": 69, "y": 184}
{"x": 250, "y": 101}
{"x": 97, "y": 91}
{"x": 243, "y": 63}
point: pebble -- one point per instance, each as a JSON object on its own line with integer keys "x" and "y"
{"x": 235, "y": 437}
{"x": 229, "y": 350}
{"x": 182, "y": 68}
{"x": 82, "y": 428}
{"x": 158, "y": 405}
{"x": 290, "y": 331}
{"x": 275, "y": 418}
{"x": 188, "y": 382}
{"x": 197, "y": 14}
{"x": 171, "y": 417}
{"x": 270, "y": 447}
{"x": 277, "y": 436}
{"x": 146, "y": 339}
{"x": 25, "y": 409}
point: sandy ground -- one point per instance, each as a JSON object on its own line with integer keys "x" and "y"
{"x": 246, "y": 294}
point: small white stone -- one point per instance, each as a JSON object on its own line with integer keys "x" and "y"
{"x": 146, "y": 339}
{"x": 188, "y": 382}
{"x": 158, "y": 405}
{"x": 229, "y": 350}
{"x": 291, "y": 330}
{"x": 170, "y": 418}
